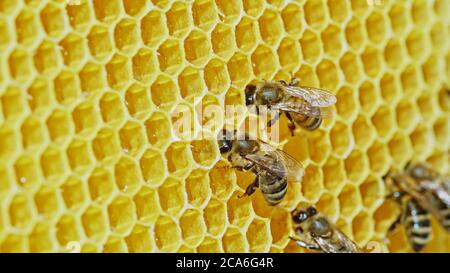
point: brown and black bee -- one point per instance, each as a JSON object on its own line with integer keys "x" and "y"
{"x": 304, "y": 106}
{"x": 273, "y": 167}
{"x": 314, "y": 231}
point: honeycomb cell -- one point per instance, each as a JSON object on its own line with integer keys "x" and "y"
{"x": 132, "y": 138}
{"x": 332, "y": 40}
{"x": 58, "y": 125}
{"x": 52, "y": 163}
{"x": 376, "y": 28}
{"x": 216, "y": 77}
{"x": 371, "y": 59}
{"x": 32, "y": 133}
{"x": 399, "y": 18}
{"x": 114, "y": 245}
{"x": 179, "y": 19}
{"x": 349, "y": 202}
{"x": 107, "y": 11}
{"x": 163, "y": 91}
{"x": 79, "y": 155}
{"x": 289, "y": 54}
{"x": 339, "y": 10}
{"x": 333, "y": 174}
{"x": 420, "y": 12}
{"x": 223, "y": 180}
{"x": 312, "y": 183}
{"x": 379, "y": 158}
{"x": 354, "y": 33}
{"x": 416, "y": 43}
{"x": 428, "y": 106}
{"x": 85, "y": 118}
{"x": 270, "y": 27}
{"x": 67, "y": 230}
{"x": 390, "y": 89}
{"x": 40, "y": 239}
{"x": 316, "y": 13}
{"x": 94, "y": 222}
{"x": 441, "y": 130}
{"x": 437, "y": 36}
{"x": 394, "y": 53}
{"x": 126, "y": 35}
{"x": 329, "y": 206}
{"x": 27, "y": 171}
{"x": 215, "y": 217}
{"x": 52, "y": 19}
{"x": 140, "y": 240}
{"x": 209, "y": 245}
{"x": 46, "y": 201}
{"x": 239, "y": 210}
{"x": 310, "y": 46}
{"x": 407, "y": 114}
{"x": 5, "y": 39}
{"x": 167, "y": 234}
{"x": 21, "y": 212}
{"x": 204, "y": 152}
{"x": 246, "y": 34}
{"x": 280, "y": 226}
{"x": 118, "y": 72}
{"x": 26, "y": 27}
{"x": 153, "y": 29}
{"x": 99, "y": 42}
{"x": 45, "y": 58}
{"x": 121, "y": 213}
{"x": 400, "y": 149}
{"x": 192, "y": 227}
{"x": 362, "y": 228}
{"x": 239, "y": 69}
{"x": 170, "y": 56}
{"x": 233, "y": 241}
{"x": 341, "y": 139}
{"x": 258, "y": 236}
{"x": 356, "y": 166}
{"x": 171, "y": 196}
{"x": 144, "y": 65}
{"x": 20, "y": 65}
{"x": 197, "y": 187}
{"x": 264, "y": 62}
{"x": 72, "y": 49}
{"x": 253, "y": 8}
{"x": 134, "y": 7}
{"x": 66, "y": 87}
{"x": 204, "y": 14}
{"x": 292, "y": 19}
{"x": 420, "y": 138}
{"x": 178, "y": 157}
{"x": 384, "y": 122}
{"x": 430, "y": 70}
{"x": 197, "y": 48}
{"x": 410, "y": 80}
{"x": 127, "y": 175}
{"x": 80, "y": 16}
{"x": 371, "y": 192}
{"x": 111, "y": 108}
{"x": 320, "y": 147}
{"x": 14, "y": 243}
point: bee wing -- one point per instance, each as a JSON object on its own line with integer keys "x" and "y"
{"x": 315, "y": 96}
{"x": 292, "y": 168}
{"x": 340, "y": 244}
{"x": 303, "y": 108}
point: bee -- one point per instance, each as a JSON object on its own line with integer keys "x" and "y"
{"x": 273, "y": 167}
{"x": 414, "y": 217}
{"x": 304, "y": 106}
{"x": 314, "y": 231}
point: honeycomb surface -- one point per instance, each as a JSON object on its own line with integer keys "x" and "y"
{"x": 87, "y": 89}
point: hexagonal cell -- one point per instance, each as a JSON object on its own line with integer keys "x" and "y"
{"x": 371, "y": 59}
{"x": 121, "y": 213}
{"x": 204, "y": 14}
{"x": 45, "y": 58}
{"x": 8, "y": 145}
{"x": 398, "y": 17}
{"x": 319, "y": 146}
{"x": 197, "y": 187}
{"x": 126, "y": 35}
{"x": 339, "y": 9}
{"x": 328, "y": 75}
{"x": 233, "y": 241}
{"x": 80, "y": 16}
{"x": 140, "y": 240}
{"x": 270, "y": 27}
{"x": 52, "y": 163}
{"x": 152, "y": 167}
{"x": 99, "y": 42}
{"x": 67, "y": 87}
{"x": 92, "y": 78}
{"x": 101, "y": 184}
{"x": 258, "y": 236}
{"x": 167, "y": 234}
{"x": 310, "y": 44}
{"x": 14, "y": 244}
{"x": 384, "y": 122}
{"x": 204, "y": 152}
{"x": 190, "y": 82}
{"x": 362, "y": 228}
{"x": 312, "y": 183}
{"x": 420, "y": 139}
{"x": 292, "y": 19}
{"x": 132, "y": 138}
{"x": 164, "y": 91}
{"x": 59, "y": 125}
{"x": 27, "y": 171}
{"x": 79, "y": 155}
{"x": 239, "y": 210}
{"x": 407, "y": 115}
{"x": 67, "y": 230}
{"x": 40, "y": 96}
{"x": 437, "y": 36}
{"x": 138, "y": 101}
{"x": 52, "y": 19}
{"x": 376, "y": 28}
{"x": 171, "y": 196}
{"x": 441, "y": 130}
{"x": 74, "y": 194}
{"x": 216, "y": 76}
{"x": 111, "y": 108}
{"x": 246, "y": 34}
{"x": 264, "y": 62}
{"x": 85, "y": 118}
{"x": 349, "y": 202}
{"x": 170, "y": 56}
{"x": 332, "y": 40}
{"x": 197, "y": 48}
{"x": 253, "y": 8}
{"x": 26, "y": 27}
{"x": 127, "y": 175}
{"x": 114, "y": 245}
{"x": 329, "y": 206}
{"x": 289, "y": 54}
{"x": 357, "y": 166}
{"x": 153, "y": 28}
{"x": 420, "y": 12}
{"x": 179, "y": 19}
{"x": 178, "y": 157}
{"x": 46, "y": 201}
{"x": 351, "y": 67}
{"x": 40, "y": 239}
{"x": 341, "y": 139}
{"x": 107, "y": 11}
{"x": 394, "y": 53}
{"x": 239, "y": 69}
{"x": 316, "y": 13}
{"x": 417, "y": 45}
{"x": 118, "y": 71}
{"x": 431, "y": 70}
{"x": 33, "y": 134}
{"x": 20, "y": 65}
{"x": 410, "y": 79}
{"x": 94, "y": 222}
{"x": 105, "y": 145}
{"x": 222, "y": 180}
{"x": 73, "y": 49}
{"x": 401, "y": 149}
{"x": 333, "y": 174}
{"x": 192, "y": 227}
{"x": 354, "y": 33}
{"x": 134, "y": 7}
{"x": 21, "y": 212}
{"x": 347, "y": 103}
{"x": 215, "y": 216}
{"x": 209, "y": 245}
{"x": 428, "y": 106}
{"x": 379, "y": 158}
{"x": 372, "y": 192}
{"x": 390, "y": 89}
{"x": 147, "y": 205}
{"x": 144, "y": 65}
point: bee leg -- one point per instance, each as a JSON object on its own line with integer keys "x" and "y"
{"x": 274, "y": 119}
{"x": 294, "y": 81}
{"x": 306, "y": 245}
{"x": 291, "y": 123}
{"x": 251, "y": 188}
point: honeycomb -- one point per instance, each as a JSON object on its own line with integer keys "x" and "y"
{"x": 88, "y": 88}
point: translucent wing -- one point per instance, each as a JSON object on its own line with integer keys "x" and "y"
{"x": 290, "y": 167}
{"x": 315, "y": 96}
{"x": 303, "y": 108}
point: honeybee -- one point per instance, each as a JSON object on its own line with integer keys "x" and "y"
{"x": 273, "y": 167}
{"x": 304, "y": 106}
{"x": 314, "y": 231}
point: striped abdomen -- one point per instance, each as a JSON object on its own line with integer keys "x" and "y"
{"x": 416, "y": 221}
{"x": 273, "y": 187}
{"x": 307, "y": 122}
{"x": 440, "y": 209}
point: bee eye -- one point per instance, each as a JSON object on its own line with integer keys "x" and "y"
{"x": 225, "y": 146}
{"x": 300, "y": 217}
{"x": 311, "y": 211}
{"x": 250, "y": 94}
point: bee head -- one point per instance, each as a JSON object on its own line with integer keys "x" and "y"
{"x": 300, "y": 216}
{"x": 225, "y": 141}
{"x": 250, "y": 91}
{"x": 421, "y": 172}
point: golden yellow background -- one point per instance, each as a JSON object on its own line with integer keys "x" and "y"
{"x": 87, "y": 88}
